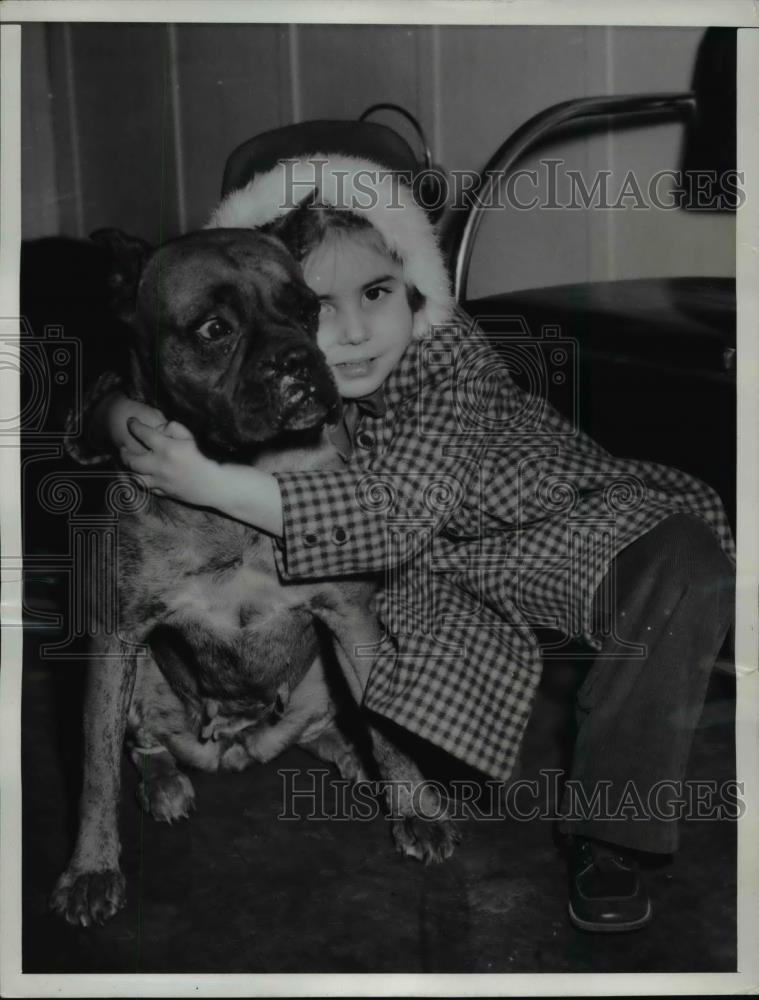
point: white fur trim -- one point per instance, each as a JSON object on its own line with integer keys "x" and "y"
{"x": 368, "y": 190}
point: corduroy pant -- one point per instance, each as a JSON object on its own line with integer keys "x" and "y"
{"x": 641, "y": 701}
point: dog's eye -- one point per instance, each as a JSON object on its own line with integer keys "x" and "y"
{"x": 213, "y": 329}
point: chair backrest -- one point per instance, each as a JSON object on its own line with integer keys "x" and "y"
{"x": 367, "y": 140}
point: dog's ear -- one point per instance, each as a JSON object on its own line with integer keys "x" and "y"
{"x": 294, "y": 228}
{"x": 128, "y": 255}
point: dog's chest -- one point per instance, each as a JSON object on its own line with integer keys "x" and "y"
{"x": 208, "y": 571}
{"x": 244, "y": 633}
{"x": 187, "y": 565}
{"x": 235, "y": 594}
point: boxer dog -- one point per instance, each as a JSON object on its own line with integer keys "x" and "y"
{"x": 216, "y": 663}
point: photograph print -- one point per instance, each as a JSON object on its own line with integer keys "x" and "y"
{"x": 378, "y": 465}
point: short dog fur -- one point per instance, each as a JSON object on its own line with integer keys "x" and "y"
{"x": 224, "y": 329}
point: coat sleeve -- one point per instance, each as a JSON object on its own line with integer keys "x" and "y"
{"x": 374, "y": 515}
{"x": 367, "y": 519}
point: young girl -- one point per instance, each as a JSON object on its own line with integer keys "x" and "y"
{"x": 490, "y": 515}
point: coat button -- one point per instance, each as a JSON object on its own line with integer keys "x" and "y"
{"x": 365, "y": 439}
{"x": 310, "y": 540}
{"x": 339, "y": 535}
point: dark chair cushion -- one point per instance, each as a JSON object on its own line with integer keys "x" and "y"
{"x": 649, "y": 370}
{"x": 366, "y": 140}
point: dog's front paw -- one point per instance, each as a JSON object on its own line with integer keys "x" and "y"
{"x": 86, "y": 898}
{"x": 167, "y": 797}
{"x": 258, "y": 743}
{"x": 421, "y": 825}
{"x": 426, "y": 840}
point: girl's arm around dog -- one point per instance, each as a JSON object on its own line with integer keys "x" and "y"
{"x": 328, "y": 522}
{"x": 332, "y": 522}
{"x": 173, "y": 466}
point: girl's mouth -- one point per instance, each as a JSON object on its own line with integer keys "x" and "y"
{"x": 355, "y": 369}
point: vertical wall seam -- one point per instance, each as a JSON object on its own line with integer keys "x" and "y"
{"x": 293, "y": 47}
{"x": 428, "y": 86}
{"x": 420, "y": 48}
{"x": 73, "y": 120}
{"x": 437, "y": 95}
{"x": 611, "y": 229}
{"x": 283, "y": 83}
{"x": 589, "y": 86}
{"x": 53, "y": 153}
{"x": 176, "y": 125}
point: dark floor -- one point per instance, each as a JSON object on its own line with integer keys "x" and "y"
{"x": 235, "y": 889}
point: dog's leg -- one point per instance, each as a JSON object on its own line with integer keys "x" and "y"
{"x": 335, "y": 748}
{"x": 421, "y": 826}
{"x": 158, "y": 719}
{"x": 308, "y": 711}
{"x": 352, "y": 624}
{"x": 92, "y": 888}
{"x": 163, "y": 791}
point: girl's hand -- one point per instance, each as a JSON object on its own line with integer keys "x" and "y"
{"x": 112, "y": 416}
{"x": 170, "y": 463}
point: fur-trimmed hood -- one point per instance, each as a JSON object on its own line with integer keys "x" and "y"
{"x": 369, "y": 190}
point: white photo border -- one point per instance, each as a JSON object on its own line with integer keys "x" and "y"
{"x": 737, "y": 13}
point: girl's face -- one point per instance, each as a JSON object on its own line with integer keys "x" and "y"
{"x": 365, "y": 321}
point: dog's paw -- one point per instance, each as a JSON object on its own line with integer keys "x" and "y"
{"x": 235, "y": 757}
{"x": 427, "y": 840}
{"x": 167, "y": 797}
{"x": 351, "y": 768}
{"x": 256, "y": 744}
{"x": 87, "y": 898}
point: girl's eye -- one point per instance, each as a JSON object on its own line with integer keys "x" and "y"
{"x": 376, "y": 293}
{"x": 213, "y": 329}
{"x": 326, "y": 308}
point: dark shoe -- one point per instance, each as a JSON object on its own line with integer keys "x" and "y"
{"x": 606, "y": 891}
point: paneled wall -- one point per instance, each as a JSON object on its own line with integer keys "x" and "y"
{"x": 130, "y": 125}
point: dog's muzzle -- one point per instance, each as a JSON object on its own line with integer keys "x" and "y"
{"x": 307, "y": 392}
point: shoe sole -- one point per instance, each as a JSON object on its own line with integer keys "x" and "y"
{"x": 599, "y": 928}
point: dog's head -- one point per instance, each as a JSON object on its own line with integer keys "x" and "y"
{"x": 224, "y": 335}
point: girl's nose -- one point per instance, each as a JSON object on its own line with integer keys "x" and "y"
{"x": 352, "y": 328}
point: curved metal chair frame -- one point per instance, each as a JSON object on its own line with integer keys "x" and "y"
{"x": 661, "y": 106}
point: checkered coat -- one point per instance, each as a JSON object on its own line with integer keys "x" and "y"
{"x": 488, "y": 514}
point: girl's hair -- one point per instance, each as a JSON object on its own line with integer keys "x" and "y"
{"x": 312, "y": 225}
{"x": 340, "y": 182}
